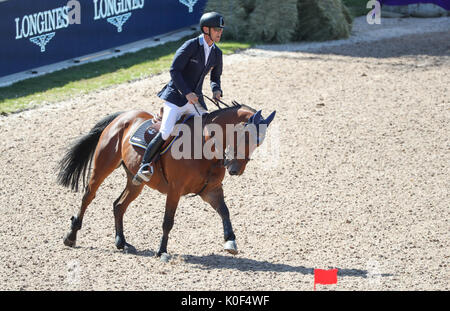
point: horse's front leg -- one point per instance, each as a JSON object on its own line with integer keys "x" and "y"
{"x": 216, "y": 199}
{"x": 169, "y": 215}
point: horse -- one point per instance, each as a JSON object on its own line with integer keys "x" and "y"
{"x": 106, "y": 147}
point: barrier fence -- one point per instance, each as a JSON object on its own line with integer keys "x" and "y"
{"x": 37, "y": 33}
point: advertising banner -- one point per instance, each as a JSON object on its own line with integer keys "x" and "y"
{"x": 37, "y": 33}
{"x": 442, "y": 3}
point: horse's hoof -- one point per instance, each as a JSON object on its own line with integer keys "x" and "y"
{"x": 69, "y": 242}
{"x": 231, "y": 247}
{"x": 120, "y": 242}
{"x": 129, "y": 249}
{"x": 164, "y": 257}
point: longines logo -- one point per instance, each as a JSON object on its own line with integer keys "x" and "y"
{"x": 41, "y": 26}
{"x": 189, "y": 3}
{"x": 116, "y": 12}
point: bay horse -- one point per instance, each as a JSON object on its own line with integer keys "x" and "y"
{"x": 107, "y": 147}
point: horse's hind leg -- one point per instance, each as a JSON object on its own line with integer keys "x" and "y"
{"x": 128, "y": 195}
{"x": 105, "y": 162}
{"x": 88, "y": 196}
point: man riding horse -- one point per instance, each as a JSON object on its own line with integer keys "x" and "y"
{"x": 108, "y": 146}
{"x": 192, "y": 62}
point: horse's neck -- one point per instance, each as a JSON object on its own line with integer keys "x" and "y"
{"x": 231, "y": 116}
{"x": 228, "y": 121}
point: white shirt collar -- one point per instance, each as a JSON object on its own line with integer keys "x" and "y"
{"x": 206, "y": 48}
{"x": 202, "y": 42}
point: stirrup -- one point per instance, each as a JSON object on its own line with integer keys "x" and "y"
{"x": 143, "y": 175}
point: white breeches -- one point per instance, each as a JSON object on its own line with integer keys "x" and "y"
{"x": 173, "y": 113}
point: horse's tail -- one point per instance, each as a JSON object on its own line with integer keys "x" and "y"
{"x": 75, "y": 162}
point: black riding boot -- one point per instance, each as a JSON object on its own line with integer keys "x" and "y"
{"x": 146, "y": 171}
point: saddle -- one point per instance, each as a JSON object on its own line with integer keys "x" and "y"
{"x": 149, "y": 129}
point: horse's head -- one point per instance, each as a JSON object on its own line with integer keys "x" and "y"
{"x": 247, "y": 136}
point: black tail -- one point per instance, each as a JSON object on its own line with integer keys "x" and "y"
{"x": 75, "y": 162}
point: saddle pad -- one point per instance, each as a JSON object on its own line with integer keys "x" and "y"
{"x": 147, "y": 130}
{"x": 141, "y": 137}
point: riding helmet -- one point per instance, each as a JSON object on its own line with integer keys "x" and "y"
{"x": 211, "y": 19}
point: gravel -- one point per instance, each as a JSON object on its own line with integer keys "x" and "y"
{"x": 354, "y": 176}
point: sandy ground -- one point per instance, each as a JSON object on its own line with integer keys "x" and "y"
{"x": 358, "y": 178}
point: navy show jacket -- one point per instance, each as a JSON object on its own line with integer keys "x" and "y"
{"x": 188, "y": 71}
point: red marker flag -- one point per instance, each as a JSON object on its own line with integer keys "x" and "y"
{"x": 325, "y": 277}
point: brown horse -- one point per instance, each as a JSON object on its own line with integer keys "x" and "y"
{"x": 107, "y": 146}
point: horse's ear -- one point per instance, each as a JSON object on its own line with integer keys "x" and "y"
{"x": 269, "y": 118}
{"x": 256, "y": 118}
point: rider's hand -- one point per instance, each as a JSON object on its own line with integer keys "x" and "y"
{"x": 217, "y": 95}
{"x": 192, "y": 98}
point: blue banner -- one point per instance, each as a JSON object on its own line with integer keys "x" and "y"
{"x": 442, "y": 3}
{"x": 37, "y": 33}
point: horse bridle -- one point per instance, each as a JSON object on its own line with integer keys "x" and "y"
{"x": 225, "y": 160}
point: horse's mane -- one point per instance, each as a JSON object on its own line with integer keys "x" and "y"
{"x": 235, "y": 105}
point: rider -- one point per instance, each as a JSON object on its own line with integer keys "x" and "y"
{"x": 183, "y": 94}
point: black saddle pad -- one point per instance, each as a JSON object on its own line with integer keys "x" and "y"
{"x": 147, "y": 130}
{"x": 144, "y": 134}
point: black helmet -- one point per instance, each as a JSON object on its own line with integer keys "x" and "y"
{"x": 211, "y": 19}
